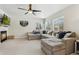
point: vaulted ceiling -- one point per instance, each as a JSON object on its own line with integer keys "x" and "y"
{"x": 47, "y": 9}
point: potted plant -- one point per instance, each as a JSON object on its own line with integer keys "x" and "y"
{"x": 5, "y": 20}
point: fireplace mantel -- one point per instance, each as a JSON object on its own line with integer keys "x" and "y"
{"x": 3, "y": 28}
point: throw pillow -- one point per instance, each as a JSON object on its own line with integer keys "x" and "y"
{"x": 67, "y": 35}
{"x": 61, "y": 35}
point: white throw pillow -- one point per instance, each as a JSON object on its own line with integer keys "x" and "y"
{"x": 67, "y": 35}
{"x": 57, "y": 35}
{"x": 52, "y": 34}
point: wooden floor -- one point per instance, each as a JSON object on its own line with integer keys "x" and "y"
{"x": 20, "y": 47}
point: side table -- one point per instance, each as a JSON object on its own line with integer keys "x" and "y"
{"x": 77, "y": 46}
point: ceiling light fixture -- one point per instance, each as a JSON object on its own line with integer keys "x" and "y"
{"x": 30, "y": 10}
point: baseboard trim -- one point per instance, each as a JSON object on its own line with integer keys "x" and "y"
{"x": 20, "y": 37}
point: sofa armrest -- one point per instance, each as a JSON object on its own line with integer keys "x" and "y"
{"x": 69, "y": 45}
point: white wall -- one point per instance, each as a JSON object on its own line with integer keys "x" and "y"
{"x": 1, "y": 12}
{"x": 16, "y": 29}
{"x": 19, "y": 31}
{"x": 72, "y": 19}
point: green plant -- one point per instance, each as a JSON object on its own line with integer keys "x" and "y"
{"x": 6, "y": 20}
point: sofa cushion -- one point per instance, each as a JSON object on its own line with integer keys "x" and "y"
{"x": 36, "y": 32}
{"x": 52, "y": 47}
{"x": 61, "y": 35}
{"x": 51, "y": 43}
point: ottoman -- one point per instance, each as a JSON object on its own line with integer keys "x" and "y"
{"x": 51, "y": 47}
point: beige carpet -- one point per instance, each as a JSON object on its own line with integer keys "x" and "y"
{"x": 20, "y": 47}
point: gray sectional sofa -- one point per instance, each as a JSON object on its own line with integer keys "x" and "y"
{"x": 54, "y": 46}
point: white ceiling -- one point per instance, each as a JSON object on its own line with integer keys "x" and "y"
{"x": 47, "y": 9}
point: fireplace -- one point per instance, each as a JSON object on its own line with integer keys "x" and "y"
{"x": 3, "y": 36}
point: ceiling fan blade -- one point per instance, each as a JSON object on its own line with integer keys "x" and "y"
{"x": 36, "y": 10}
{"x": 33, "y": 13}
{"x": 29, "y": 10}
{"x": 22, "y": 8}
{"x": 26, "y": 13}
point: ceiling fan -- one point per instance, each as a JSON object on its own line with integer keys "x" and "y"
{"x": 30, "y": 10}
